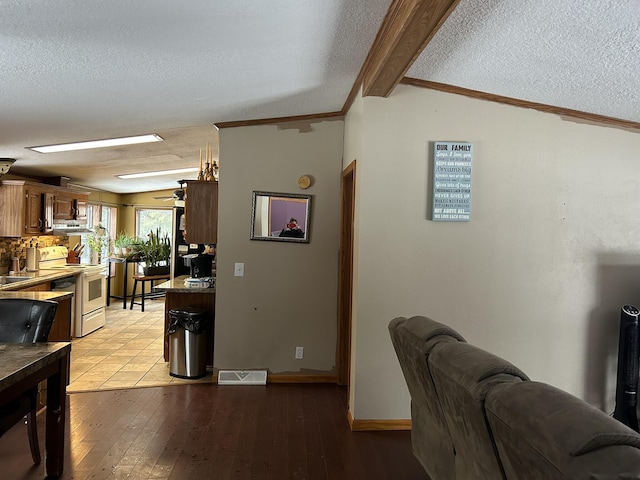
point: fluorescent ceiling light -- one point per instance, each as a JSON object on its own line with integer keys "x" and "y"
{"x": 110, "y": 142}
{"x": 154, "y": 174}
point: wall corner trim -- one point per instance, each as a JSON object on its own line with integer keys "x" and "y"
{"x": 376, "y": 425}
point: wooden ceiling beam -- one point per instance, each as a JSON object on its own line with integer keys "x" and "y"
{"x": 406, "y": 30}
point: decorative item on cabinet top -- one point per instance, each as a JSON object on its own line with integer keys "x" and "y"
{"x": 208, "y": 173}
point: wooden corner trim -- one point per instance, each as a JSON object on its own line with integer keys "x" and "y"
{"x": 296, "y": 378}
{"x": 376, "y": 425}
{"x": 541, "y": 107}
{"x": 271, "y": 121}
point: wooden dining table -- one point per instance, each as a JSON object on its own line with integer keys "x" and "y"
{"x": 23, "y": 366}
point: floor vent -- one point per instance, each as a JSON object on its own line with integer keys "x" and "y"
{"x": 242, "y": 377}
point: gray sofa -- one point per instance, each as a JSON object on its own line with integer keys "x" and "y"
{"x": 476, "y": 416}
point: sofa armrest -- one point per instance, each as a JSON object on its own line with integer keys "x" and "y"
{"x": 552, "y": 434}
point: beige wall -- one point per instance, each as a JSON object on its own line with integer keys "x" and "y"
{"x": 287, "y": 296}
{"x": 539, "y": 274}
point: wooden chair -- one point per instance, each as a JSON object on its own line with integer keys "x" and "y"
{"x": 25, "y": 321}
{"x": 143, "y": 279}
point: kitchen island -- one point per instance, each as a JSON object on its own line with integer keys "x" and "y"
{"x": 178, "y": 296}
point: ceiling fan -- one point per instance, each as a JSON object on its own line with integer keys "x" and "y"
{"x": 177, "y": 195}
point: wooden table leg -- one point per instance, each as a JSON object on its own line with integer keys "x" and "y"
{"x": 124, "y": 291}
{"x": 55, "y": 420}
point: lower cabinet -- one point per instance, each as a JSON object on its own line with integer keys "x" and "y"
{"x": 61, "y": 329}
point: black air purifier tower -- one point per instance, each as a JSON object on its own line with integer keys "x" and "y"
{"x": 628, "y": 366}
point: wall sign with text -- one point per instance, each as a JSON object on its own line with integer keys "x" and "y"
{"x": 452, "y": 181}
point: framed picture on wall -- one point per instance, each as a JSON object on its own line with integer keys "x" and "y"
{"x": 280, "y": 217}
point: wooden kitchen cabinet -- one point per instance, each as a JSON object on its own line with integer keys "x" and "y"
{"x": 47, "y": 212}
{"x": 31, "y": 208}
{"x": 63, "y": 208}
{"x": 40, "y": 287}
{"x": 21, "y": 212}
{"x": 70, "y": 206}
{"x": 81, "y": 204}
{"x": 38, "y": 211}
{"x": 61, "y": 328}
{"x": 33, "y": 221}
{"x": 201, "y": 212}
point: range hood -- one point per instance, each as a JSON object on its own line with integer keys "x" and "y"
{"x": 70, "y": 229}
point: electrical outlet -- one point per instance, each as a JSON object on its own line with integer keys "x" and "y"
{"x": 239, "y": 270}
{"x": 299, "y": 353}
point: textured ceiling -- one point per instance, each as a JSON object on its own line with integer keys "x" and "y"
{"x": 578, "y": 54}
{"x": 77, "y": 70}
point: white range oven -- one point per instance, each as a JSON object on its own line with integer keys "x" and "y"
{"x": 89, "y": 311}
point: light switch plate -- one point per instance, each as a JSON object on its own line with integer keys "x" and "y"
{"x": 239, "y": 270}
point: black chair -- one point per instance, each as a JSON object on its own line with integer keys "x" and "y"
{"x": 25, "y": 321}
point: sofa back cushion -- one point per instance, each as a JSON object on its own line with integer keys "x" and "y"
{"x": 463, "y": 374}
{"x": 413, "y": 339}
{"x": 544, "y": 432}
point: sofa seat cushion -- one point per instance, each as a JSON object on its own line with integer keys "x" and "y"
{"x": 544, "y": 432}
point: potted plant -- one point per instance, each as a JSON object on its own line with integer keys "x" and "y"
{"x": 155, "y": 252}
{"x": 122, "y": 244}
{"x": 97, "y": 241}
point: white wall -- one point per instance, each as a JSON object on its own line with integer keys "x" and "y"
{"x": 288, "y": 294}
{"x": 537, "y": 276}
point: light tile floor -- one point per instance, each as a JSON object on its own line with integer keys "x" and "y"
{"x": 125, "y": 353}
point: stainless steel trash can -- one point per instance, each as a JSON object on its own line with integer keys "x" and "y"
{"x": 188, "y": 342}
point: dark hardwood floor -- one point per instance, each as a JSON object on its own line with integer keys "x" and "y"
{"x": 273, "y": 432}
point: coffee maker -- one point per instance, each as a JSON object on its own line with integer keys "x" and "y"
{"x": 201, "y": 266}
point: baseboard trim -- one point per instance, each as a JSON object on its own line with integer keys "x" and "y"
{"x": 284, "y": 378}
{"x": 294, "y": 378}
{"x": 376, "y": 425}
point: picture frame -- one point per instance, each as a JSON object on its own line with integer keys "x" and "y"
{"x": 280, "y": 217}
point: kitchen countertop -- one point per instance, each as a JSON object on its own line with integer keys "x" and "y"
{"x": 177, "y": 285}
{"x": 56, "y": 296}
{"x": 39, "y": 276}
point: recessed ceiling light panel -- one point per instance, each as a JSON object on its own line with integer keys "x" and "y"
{"x": 110, "y": 142}
{"x": 156, "y": 174}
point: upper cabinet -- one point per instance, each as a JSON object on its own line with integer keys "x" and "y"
{"x": 34, "y": 221}
{"x": 30, "y": 208}
{"x": 47, "y": 211}
{"x": 63, "y": 207}
{"x": 201, "y": 212}
{"x": 81, "y": 204}
{"x": 70, "y": 206}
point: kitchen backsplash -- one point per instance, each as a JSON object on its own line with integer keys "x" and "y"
{"x": 17, "y": 247}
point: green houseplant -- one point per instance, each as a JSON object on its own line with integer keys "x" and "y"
{"x": 98, "y": 241}
{"x": 122, "y": 244}
{"x": 155, "y": 252}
